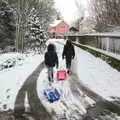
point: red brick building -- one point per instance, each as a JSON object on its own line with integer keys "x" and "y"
{"x": 59, "y": 27}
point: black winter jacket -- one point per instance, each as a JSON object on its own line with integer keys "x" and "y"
{"x": 68, "y": 51}
{"x": 51, "y": 59}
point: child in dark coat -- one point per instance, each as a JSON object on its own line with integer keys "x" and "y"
{"x": 68, "y": 54}
{"x": 51, "y": 60}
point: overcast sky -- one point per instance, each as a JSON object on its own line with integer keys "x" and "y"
{"x": 68, "y": 9}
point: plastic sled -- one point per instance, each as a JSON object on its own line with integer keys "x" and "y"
{"x": 61, "y": 75}
{"x": 52, "y": 94}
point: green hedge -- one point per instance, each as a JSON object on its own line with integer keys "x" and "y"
{"x": 110, "y": 60}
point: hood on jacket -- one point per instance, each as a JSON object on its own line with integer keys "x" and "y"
{"x": 51, "y": 47}
{"x": 69, "y": 43}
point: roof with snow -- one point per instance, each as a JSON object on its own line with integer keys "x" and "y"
{"x": 55, "y": 23}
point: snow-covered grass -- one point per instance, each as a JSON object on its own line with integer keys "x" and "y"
{"x": 97, "y": 74}
{"x": 108, "y": 34}
{"x": 12, "y": 79}
{"x": 114, "y": 55}
{"x": 10, "y": 60}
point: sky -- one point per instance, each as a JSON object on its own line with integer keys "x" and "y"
{"x": 68, "y": 9}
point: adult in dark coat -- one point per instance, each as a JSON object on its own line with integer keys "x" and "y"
{"x": 68, "y": 53}
{"x": 51, "y": 60}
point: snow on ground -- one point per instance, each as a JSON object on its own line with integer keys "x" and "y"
{"x": 92, "y": 71}
{"x": 114, "y": 55}
{"x": 114, "y": 34}
{"x": 8, "y": 61}
{"x": 68, "y": 103}
{"x": 96, "y": 73}
{"x": 6, "y": 56}
{"x": 12, "y": 79}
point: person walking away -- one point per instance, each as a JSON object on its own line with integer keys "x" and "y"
{"x": 68, "y": 54}
{"x": 51, "y": 60}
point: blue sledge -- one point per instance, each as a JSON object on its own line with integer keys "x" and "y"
{"x": 52, "y": 94}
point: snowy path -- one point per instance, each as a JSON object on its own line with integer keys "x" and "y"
{"x": 37, "y": 109}
{"x": 68, "y": 107}
{"x": 71, "y": 106}
{"x": 29, "y": 87}
{"x": 74, "y": 101}
{"x": 73, "y": 109}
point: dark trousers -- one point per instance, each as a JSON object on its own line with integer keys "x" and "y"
{"x": 50, "y": 74}
{"x": 68, "y": 63}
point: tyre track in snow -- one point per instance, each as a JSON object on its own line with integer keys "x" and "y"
{"x": 100, "y": 105}
{"x": 38, "y": 111}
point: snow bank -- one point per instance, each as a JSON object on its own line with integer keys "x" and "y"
{"x": 97, "y": 74}
{"x": 13, "y": 78}
{"x": 114, "y": 55}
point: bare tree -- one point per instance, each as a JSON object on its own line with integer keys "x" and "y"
{"x": 106, "y": 13}
{"x": 81, "y": 14}
{"x": 80, "y": 8}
